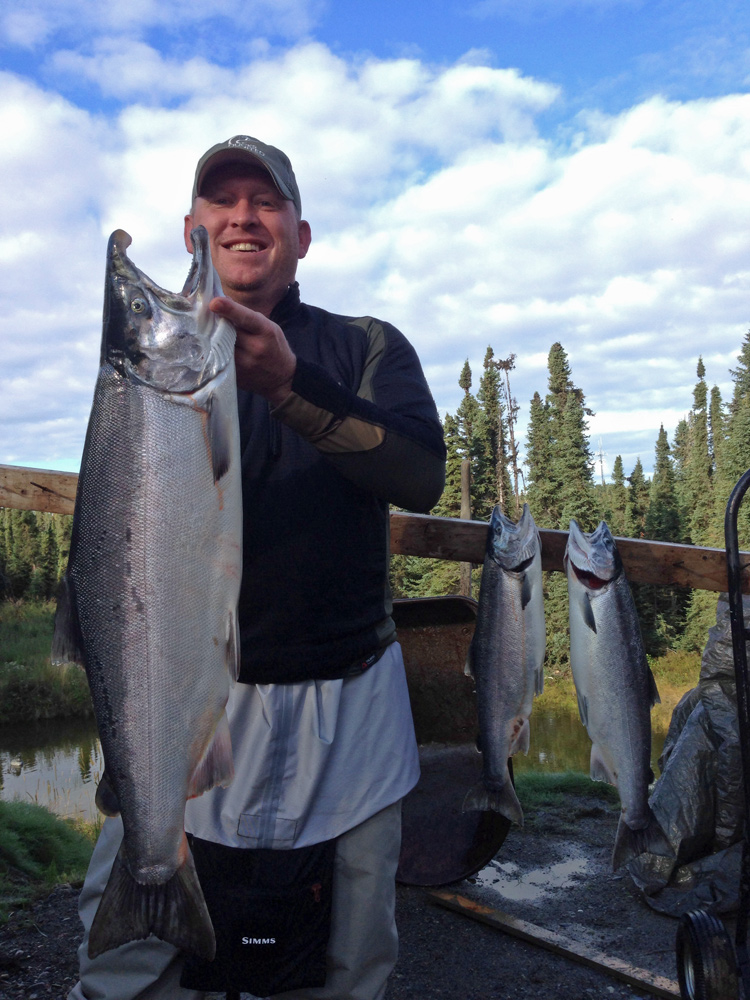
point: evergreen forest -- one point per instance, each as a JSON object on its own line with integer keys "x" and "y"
{"x": 684, "y": 500}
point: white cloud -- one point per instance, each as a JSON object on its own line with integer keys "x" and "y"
{"x": 434, "y": 203}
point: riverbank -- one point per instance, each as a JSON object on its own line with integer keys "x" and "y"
{"x": 31, "y": 688}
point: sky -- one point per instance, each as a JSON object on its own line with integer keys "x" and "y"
{"x": 504, "y": 173}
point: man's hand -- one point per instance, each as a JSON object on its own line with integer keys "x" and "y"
{"x": 264, "y": 360}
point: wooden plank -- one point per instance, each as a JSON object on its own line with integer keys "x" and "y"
{"x": 37, "y": 489}
{"x": 559, "y": 944}
{"x": 645, "y": 561}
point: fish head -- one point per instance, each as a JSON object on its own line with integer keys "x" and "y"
{"x": 592, "y": 558}
{"x": 512, "y": 545}
{"x": 167, "y": 340}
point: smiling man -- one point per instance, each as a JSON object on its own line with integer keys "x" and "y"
{"x": 297, "y": 858}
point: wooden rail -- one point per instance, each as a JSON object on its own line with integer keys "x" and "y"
{"x": 645, "y": 561}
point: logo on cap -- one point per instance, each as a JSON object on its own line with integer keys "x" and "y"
{"x": 246, "y": 143}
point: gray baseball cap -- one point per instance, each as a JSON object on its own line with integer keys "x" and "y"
{"x": 244, "y": 149}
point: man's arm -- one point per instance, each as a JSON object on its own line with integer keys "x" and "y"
{"x": 386, "y": 437}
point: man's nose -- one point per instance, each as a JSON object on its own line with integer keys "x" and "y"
{"x": 244, "y": 213}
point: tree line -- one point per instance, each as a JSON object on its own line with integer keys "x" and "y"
{"x": 34, "y": 549}
{"x": 684, "y": 501}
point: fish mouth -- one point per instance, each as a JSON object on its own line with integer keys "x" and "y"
{"x": 171, "y": 341}
{"x": 513, "y": 546}
{"x": 593, "y": 557}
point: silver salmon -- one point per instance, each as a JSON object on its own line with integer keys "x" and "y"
{"x": 148, "y": 602}
{"x": 614, "y": 684}
{"x": 506, "y": 656}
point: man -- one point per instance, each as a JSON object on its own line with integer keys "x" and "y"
{"x": 336, "y": 423}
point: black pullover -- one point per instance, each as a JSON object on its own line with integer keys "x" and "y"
{"x": 358, "y": 432}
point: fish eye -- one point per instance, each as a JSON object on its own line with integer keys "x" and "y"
{"x": 138, "y": 305}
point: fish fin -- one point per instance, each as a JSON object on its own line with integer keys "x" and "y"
{"x": 539, "y": 679}
{"x": 521, "y": 741}
{"x": 469, "y": 663}
{"x": 174, "y": 911}
{"x": 630, "y": 843}
{"x": 216, "y": 766}
{"x": 66, "y": 640}
{"x": 599, "y": 769}
{"x": 525, "y": 591}
{"x": 583, "y": 708}
{"x": 503, "y": 801}
{"x": 233, "y": 647}
{"x": 106, "y": 797}
{"x": 219, "y": 436}
{"x": 587, "y": 612}
{"x": 653, "y": 691}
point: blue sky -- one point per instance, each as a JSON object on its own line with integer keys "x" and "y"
{"x": 504, "y": 172}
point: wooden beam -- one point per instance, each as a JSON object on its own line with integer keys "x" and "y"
{"x": 559, "y": 944}
{"x": 661, "y": 563}
{"x": 645, "y": 561}
{"x": 37, "y": 489}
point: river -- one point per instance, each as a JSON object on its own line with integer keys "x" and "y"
{"x": 58, "y": 764}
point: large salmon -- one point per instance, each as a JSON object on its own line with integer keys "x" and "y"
{"x": 614, "y": 684}
{"x": 506, "y": 656}
{"x": 148, "y": 603}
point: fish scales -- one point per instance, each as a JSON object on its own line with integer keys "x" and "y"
{"x": 614, "y": 684}
{"x": 150, "y": 594}
{"x": 506, "y": 656}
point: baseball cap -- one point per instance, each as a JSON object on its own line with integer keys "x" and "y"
{"x": 243, "y": 149}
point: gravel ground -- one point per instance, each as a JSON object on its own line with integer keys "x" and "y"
{"x": 555, "y": 873}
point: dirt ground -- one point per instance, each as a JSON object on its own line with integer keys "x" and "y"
{"x": 555, "y": 873}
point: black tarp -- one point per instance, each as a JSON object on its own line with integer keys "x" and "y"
{"x": 698, "y": 799}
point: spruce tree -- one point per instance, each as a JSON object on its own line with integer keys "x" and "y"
{"x": 636, "y": 509}
{"x": 698, "y": 471}
{"x": 539, "y": 487}
{"x": 618, "y": 499}
{"x": 662, "y": 608}
{"x": 736, "y": 454}
{"x": 699, "y": 508}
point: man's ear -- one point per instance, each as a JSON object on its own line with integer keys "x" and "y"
{"x": 305, "y": 238}
{"x": 188, "y": 228}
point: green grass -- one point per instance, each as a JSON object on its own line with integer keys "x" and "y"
{"x": 38, "y": 851}
{"x": 30, "y": 687}
{"x": 26, "y": 631}
{"x": 675, "y": 673}
{"x": 540, "y": 790}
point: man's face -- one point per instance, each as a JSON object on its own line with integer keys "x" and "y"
{"x": 255, "y": 236}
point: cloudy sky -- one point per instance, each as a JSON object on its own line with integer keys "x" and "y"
{"x": 479, "y": 172}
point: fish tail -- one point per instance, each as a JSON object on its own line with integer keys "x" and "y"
{"x": 629, "y": 843}
{"x": 174, "y": 911}
{"x": 503, "y": 801}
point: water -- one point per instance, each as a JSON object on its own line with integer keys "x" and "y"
{"x": 59, "y": 764}
{"x": 559, "y": 742}
{"x": 55, "y": 764}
